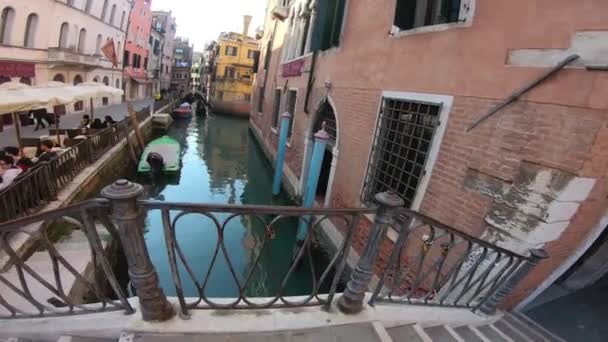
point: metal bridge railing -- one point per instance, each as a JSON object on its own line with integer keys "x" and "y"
{"x": 434, "y": 264}
{"x": 41, "y": 285}
{"x": 430, "y": 263}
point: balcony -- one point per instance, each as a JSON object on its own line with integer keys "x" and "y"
{"x": 69, "y": 57}
{"x": 243, "y": 80}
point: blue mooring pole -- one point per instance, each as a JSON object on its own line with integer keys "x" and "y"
{"x": 278, "y": 172}
{"x": 321, "y": 139}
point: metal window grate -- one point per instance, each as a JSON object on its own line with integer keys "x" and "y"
{"x": 277, "y": 108}
{"x": 403, "y": 138}
{"x": 292, "y": 97}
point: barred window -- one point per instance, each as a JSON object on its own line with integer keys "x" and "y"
{"x": 290, "y": 103}
{"x": 402, "y": 141}
{"x": 276, "y": 108}
{"x": 261, "y": 100}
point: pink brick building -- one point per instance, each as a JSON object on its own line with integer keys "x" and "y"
{"x": 398, "y": 84}
{"x": 138, "y": 83}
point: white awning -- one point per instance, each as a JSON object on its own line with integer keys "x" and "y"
{"x": 17, "y": 97}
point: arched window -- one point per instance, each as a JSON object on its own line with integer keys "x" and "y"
{"x": 30, "y": 30}
{"x": 7, "y": 21}
{"x": 96, "y": 79}
{"x": 118, "y": 84}
{"x": 82, "y": 40}
{"x": 104, "y": 10}
{"x": 122, "y": 20}
{"x": 77, "y": 79}
{"x": 63, "y": 35}
{"x": 112, "y": 14}
{"x": 106, "y": 81}
{"x": 59, "y": 78}
{"x": 118, "y": 49}
{"x": 98, "y": 45}
{"x": 88, "y": 5}
{"x": 25, "y": 80}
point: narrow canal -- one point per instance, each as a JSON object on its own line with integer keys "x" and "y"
{"x": 222, "y": 163}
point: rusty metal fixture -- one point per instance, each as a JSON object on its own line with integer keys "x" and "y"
{"x": 461, "y": 271}
{"x": 269, "y": 216}
{"x": 127, "y": 214}
{"x": 489, "y": 305}
{"x": 473, "y": 274}
{"x": 351, "y": 301}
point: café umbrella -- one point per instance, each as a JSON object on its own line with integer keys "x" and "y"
{"x": 17, "y": 97}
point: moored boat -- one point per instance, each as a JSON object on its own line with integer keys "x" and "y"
{"x": 161, "y": 156}
{"x": 184, "y": 111}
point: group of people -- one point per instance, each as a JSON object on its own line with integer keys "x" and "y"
{"x": 13, "y": 165}
{"x": 96, "y": 123}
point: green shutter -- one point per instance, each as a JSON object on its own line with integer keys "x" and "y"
{"x": 319, "y": 25}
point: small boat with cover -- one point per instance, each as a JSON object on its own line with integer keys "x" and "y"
{"x": 184, "y": 111}
{"x": 161, "y": 156}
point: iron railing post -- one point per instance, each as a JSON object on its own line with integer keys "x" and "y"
{"x": 488, "y": 307}
{"x": 351, "y": 301}
{"x": 128, "y": 216}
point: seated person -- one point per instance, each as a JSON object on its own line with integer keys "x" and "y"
{"x": 109, "y": 121}
{"x": 47, "y": 151}
{"x": 85, "y": 122}
{"x": 97, "y": 124}
{"x": 21, "y": 162}
{"x": 8, "y": 171}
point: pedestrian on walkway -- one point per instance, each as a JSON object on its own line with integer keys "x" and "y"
{"x": 39, "y": 115}
{"x": 8, "y": 171}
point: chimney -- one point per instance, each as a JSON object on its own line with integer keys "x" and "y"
{"x": 246, "y": 23}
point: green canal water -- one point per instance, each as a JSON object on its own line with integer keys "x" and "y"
{"x": 222, "y": 163}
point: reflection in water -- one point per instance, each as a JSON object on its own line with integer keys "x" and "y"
{"x": 222, "y": 164}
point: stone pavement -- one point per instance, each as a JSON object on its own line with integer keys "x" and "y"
{"x": 118, "y": 112}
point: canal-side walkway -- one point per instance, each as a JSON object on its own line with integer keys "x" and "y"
{"x": 118, "y": 112}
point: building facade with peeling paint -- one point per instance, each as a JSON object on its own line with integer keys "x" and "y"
{"x": 399, "y": 91}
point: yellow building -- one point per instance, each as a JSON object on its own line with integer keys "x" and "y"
{"x": 232, "y": 78}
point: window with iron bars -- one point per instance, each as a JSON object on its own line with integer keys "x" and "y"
{"x": 402, "y": 141}
{"x": 261, "y": 100}
{"x": 290, "y": 104}
{"x": 276, "y": 110}
{"x": 410, "y": 14}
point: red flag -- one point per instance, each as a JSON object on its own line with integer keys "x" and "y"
{"x": 109, "y": 51}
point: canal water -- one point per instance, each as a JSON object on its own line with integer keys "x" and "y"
{"x": 222, "y": 163}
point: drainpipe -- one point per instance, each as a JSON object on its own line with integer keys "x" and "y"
{"x": 308, "y": 48}
{"x": 311, "y": 81}
{"x": 266, "y": 67}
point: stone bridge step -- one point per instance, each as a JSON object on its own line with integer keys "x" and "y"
{"x": 344, "y": 333}
{"x": 506, "y": 328}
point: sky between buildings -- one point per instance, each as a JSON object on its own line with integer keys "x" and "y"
{"x": 203, "y": 20}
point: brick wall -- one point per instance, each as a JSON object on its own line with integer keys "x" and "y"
{"x": 559, "y": 127}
